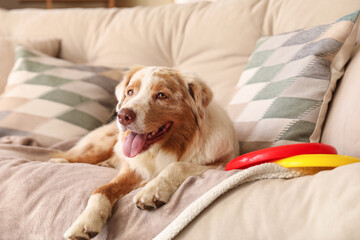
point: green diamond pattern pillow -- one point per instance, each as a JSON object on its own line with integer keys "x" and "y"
{"x": 51, "y": 99}
{"x": 283, "y": 94}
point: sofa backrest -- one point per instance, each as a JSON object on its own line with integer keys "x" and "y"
{"x": 212, "y": 39}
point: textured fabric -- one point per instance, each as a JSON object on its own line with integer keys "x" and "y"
{"x": 52, "y": 196}
{"x": 51, "y": 99}
{"x": 50, "y": 47}
{"x": 283, "y": 93}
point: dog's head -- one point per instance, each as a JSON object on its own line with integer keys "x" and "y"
{"x": 155, "y": 102}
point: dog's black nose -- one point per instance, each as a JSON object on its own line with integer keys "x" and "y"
{"x": 126, "y": 116}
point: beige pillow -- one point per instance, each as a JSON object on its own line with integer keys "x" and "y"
{"x": 283, "y": 94}
{"x": 50, "y": 47}
{"x": 342, "y": 128}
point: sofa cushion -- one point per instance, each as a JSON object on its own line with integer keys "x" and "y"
{"x": 52, "y": 99}
{"x": 283, "y": 94}
{"x": 342, "y": 128}
{"x": 323, "y": 206}
{"x": 289, "y": 15}
{"x": 50, "y": 47}
{"x": 212, "y": 40}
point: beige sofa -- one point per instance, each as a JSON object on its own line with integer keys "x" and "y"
{"x": 40, "y": 200}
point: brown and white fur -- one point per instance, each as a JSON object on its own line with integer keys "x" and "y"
{"x": 168, "y": 128}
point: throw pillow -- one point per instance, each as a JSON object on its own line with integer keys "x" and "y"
{"x": 52, "y": 99}
{"x": 283, "y": 94}
{"x": 50, "y": 47}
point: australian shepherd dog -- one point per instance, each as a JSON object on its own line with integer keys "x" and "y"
{"x": 167, "y": 129}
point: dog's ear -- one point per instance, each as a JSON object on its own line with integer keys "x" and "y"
{"x": 200, "y": 92}
{"x": 120, "y": 89}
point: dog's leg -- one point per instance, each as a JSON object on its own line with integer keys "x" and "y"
{"x": 100, "y": 204}
{"x": 159, "y": 190}
{"x": 94, "y": 148}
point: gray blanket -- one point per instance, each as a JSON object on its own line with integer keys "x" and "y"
{"x": 40, "y": 200}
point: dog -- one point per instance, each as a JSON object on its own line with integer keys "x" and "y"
{"x": 167, "y": 129}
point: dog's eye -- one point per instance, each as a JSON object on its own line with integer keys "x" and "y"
{"x": 161, "y": 95}
{"x": 130, "y": 92}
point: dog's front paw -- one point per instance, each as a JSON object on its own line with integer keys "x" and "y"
{"x": 91, "y": 220}
{"x": 81, "y": 231}
{"x": 152, "y": 196}
{"x": 85, "y": 227}
{"x": 58, "y": 160}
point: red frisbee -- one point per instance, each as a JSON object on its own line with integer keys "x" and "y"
{"x": 276, "y": 153}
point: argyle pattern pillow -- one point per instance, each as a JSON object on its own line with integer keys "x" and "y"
{"x": 283, "y": 93}
{"x": 52, "y": 99}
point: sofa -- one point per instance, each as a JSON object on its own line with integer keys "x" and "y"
{"x": 221, "y": 42}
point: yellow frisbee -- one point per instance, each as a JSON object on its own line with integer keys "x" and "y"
{"x": 317, "y": 160}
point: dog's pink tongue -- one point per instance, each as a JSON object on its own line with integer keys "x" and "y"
{"x": 133, "y": 144}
